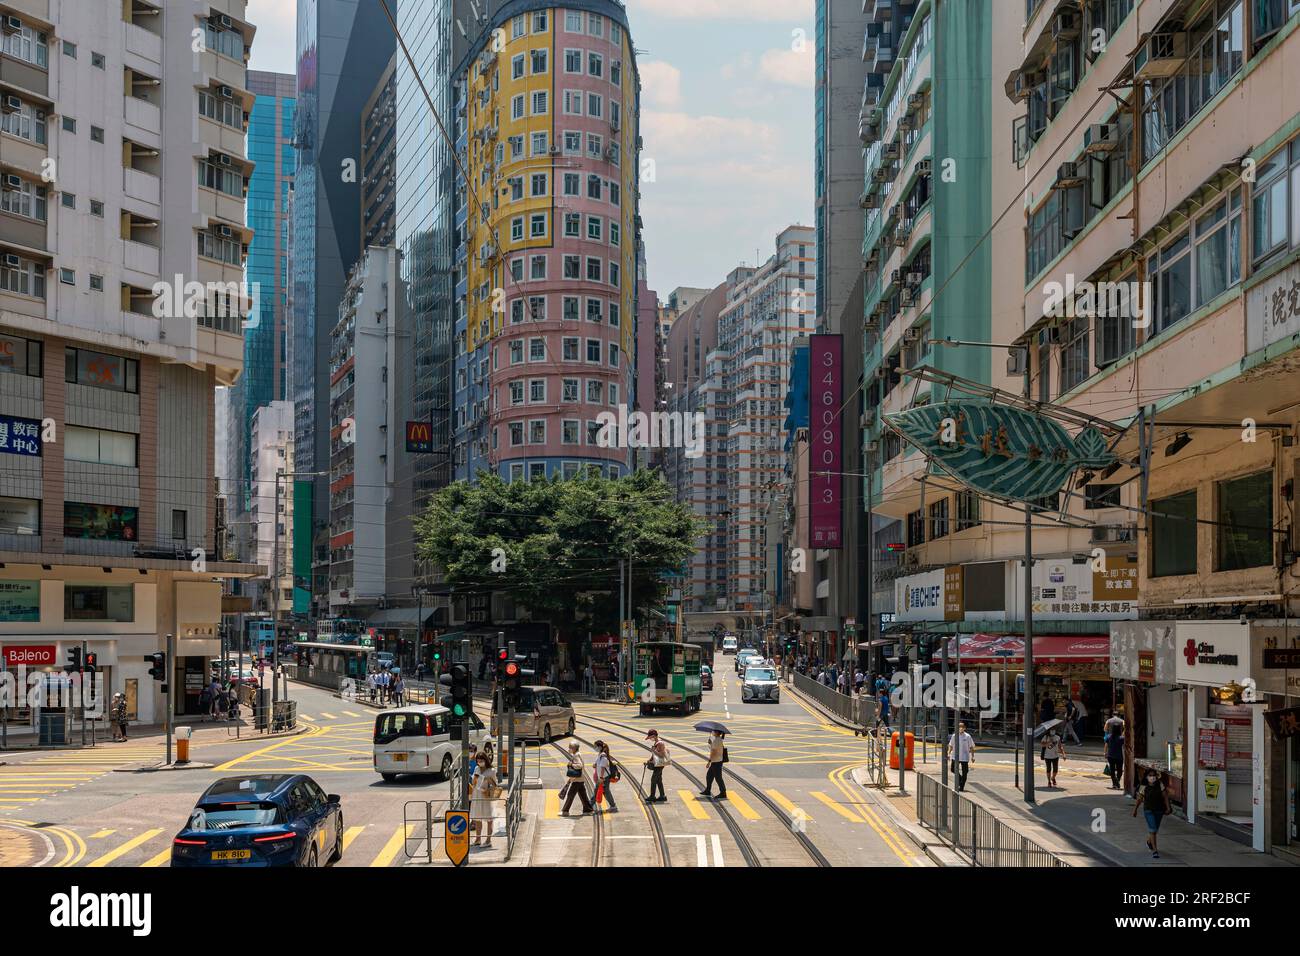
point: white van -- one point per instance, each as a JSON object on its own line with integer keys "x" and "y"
{"x": 418, "y": 739}
{"x": 729, "y": 644}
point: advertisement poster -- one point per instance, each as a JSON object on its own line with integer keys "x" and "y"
{"x": 826, "y": 422}
{"x": 100, "y": 522}
{"x": 1214, "y": 792}
{"x": 20, "y": 602}
{"x": 1211, "y": 744}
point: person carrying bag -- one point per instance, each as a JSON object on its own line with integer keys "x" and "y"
{"x": 575, "y": 784}
{"x": 656, "y": 763}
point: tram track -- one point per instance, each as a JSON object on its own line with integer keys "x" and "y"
{"x": 746, "y": 848}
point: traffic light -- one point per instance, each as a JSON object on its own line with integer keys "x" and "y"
{"x": 91, "y": 662}
{"x": 510, "y": 672}
{"x": 462, "y": 702}
{"x": 74, "y": 660}
{"x": 158, "y": 660}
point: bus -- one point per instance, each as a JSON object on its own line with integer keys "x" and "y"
{"x": 674, "y": 671}
{"x": 259, "y": 637}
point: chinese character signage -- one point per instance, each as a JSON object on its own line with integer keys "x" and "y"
{"x": 825, "y": 481}
{"x": 954, "y": 586}
{"x": 20, "y": 602}
{"x": 419, "y": 437}
{"x": 20, "y": 436}
{"x": 1002, "y": 451}
{"x": 1273, "y": 309}
{"x": 1064, "y": 590}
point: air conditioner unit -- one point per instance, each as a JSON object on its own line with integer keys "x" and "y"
{"x": 13, "y": 104}
{"x": 12, "y": 260}
{"x": 904, "y": 231}
{"x": 1016, "y": 360}
{"x": 609, "y": 153}
{"x": 1070, "y": 174}
{"x": 911, "y": 336}
{"x": 890, "y": 152}
{"x": 227, "y": 92}
{"x": 555, "y": 151}
{"x": 1101, "y": 138}
{"x": 1161, "y": 54}
{"x": 13, "y": 24}
{"x": 223, "y": 232}
{"x": 1065, "y": 25}
{"x": 614, "y": 126}
{"x": 914, "y": 279}
{"x": 871, "y": 446}
{"x": 906, "y": 299}
{"x": 896, "y": 276}
{"x": 879, "y": 176}
{"x": 895, "y": 211}
{"x": 1027, "y": 81}
{"x": 1114, "y": 534}
{"x": 13, "y": 182}
{"x": 923, "y": 167}
{"x": 225, "y": 21}
{"x": 916, "y": 101}
{"x": 881, "y": 373}
{"x": 223, "y": 159}
{"x": 905, "y": 122}
{"x": 868, "y": 418}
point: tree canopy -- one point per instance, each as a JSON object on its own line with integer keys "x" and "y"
{"x": 554, "y": 545}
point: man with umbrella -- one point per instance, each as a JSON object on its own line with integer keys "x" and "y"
{"x": 717, "y": 757}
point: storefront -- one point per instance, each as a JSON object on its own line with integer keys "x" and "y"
{"x": 1142, "y": 657}
{"x": 1275, "y": 660}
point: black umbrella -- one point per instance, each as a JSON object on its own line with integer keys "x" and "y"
{"x": 708, "y": 725}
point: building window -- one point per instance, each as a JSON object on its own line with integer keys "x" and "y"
{"x": 593, "y": 351}
{"x": 90, "y": 602}
{"x": 21, "y": 356}
{"x": 595, "y": 65}
{"x": 540, "y": 102}
{"x": 517, "y": 229}
{"x": 27, "y": 122}
{"x": 30, "y": 46}
{"x": 537, "y": 308}
{"x": 595, "y": 105}
{"x": 97, "y": 208}
{"x": 573, "y": 267}
{"x": 21, "y": 276}
{"x": 1275, "y": 203}
{"x": 536, "y": 391}
{"x": 572, "y": 225}
{"x": 595, "y": 228}
{"x": 613, "y": 274}
{"x": 572, "y": 184}
{"x": 68, "y": 276}
{"x": 537, "y": 350}
{"x": 69, "y": 49}
{"x": 594, "y": 310}
{"x": 1245, "y": 515}
{"x": 516, "y": 352}
{"x": 96, "y": 134}
{"x": 227, "y": 112}
{"x": 96, "y": 283}
{"x": 516, "y": 393}
{"x": 613, "y": 393}
{"x": 614, "y": 232}
{"x": 178, "y": 525}
{"x": 221, "y": 178}
{"x": 571, "y": 350}
{"x": 572, "y": 64}
{"x": 570, "y": 391}
{"x": 1097, "y": 496}
{"x": 516, "y": 469}
{"x": 539, "y": 184}
{"x": 613, "y": 355}
{"x": 594, "y": 269}
{"x": 537, "y": 471}
{"x": 595, "y": 391}
{"x": 968, "y": 510}
{"x": 537, "y": 267}
{"x": 1173, "y": 535}
{"x": 614, "y": 318}
{"x": 539, "y": 60}
{"x": 939, "y": 519}
{"x": 570, "y": 431}
{"x": 537, "y": 431}
{"x": 25, "y": 199}
{"x": 537, "y": 225}
{"x": 97, "y": 60}
{"x": 571, "y": 307}
{"x": 517, "y": 107}
{"x": 1074, "y": 354}
{"x": 572, "y": 143}
{"x": 1170, "y": 270}
{"x": 572, "y": 21}
{"x": 516, "y": 433}
{"x": 516, "y": 311}
{"x": 516, "y": 66}
{"x": 915, "y": 528}
{"x": 541, "y": 144}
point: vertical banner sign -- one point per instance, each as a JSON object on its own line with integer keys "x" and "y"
{"x": 825, "y": 483}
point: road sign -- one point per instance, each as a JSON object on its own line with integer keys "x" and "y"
{"x": 456, "y": 836}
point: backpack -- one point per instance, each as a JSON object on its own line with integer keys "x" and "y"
{"x": 615, "y": 775}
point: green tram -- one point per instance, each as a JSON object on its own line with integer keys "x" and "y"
{"x": 674, "y": 670}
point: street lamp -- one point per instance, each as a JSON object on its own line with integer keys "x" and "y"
{"x": 1018, "y": 354}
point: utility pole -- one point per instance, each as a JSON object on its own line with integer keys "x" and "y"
{"x": 275, "y": 596}
{"x": 510, "y": 733}
{"x": 1029, "y": 625}
{"x": 167, "y": 695}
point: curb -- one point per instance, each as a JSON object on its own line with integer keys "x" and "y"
{"x": 939, "y": 853}
{"x": 155, "y": 768}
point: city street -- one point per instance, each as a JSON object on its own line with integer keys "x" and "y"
{"x": 79, "y": 808}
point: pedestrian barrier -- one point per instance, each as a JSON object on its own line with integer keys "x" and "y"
{"x": 974, "y": 832}
{"x": 878, "y": 744}
{"x": 857, "y": 710}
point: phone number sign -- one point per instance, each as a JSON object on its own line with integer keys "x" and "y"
{"x": 826, "y": 423}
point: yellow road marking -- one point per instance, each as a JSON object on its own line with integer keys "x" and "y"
{"x": 125, "y": 848}
{"x": 847, "y": 814}
{"x": 262, "y": 751}
{"x": 552, "y": 805}
{"x": 745, "y": 809}
{"x": 328, "y": 716}
{"x": 76, "y": 847}
{"x": 393, "y": 846}
{"x": 20, "y": 799}
{"x": 693, "y": 805}
{"x": 163, "y": 857}
{"x": 782, "y": 799}
{"x": 351, "y": 834}
{"x": 101, "y": 834}
{"x": 887, "y": 833}
{"x": 350, "y": 713}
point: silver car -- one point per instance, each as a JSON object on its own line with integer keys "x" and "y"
{"x": 760, "y": 683}
{"x": 543, "y": 714}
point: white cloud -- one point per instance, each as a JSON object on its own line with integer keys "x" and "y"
{"x": 274, "y": 46}
{"x": 725, "y": 9}
{"x": 661, "y": 85}
{"x": 788, "y": 68}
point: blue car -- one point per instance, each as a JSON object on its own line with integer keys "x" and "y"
{"x": 262, "y": 819}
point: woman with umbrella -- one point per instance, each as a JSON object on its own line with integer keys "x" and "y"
{"x": 717, "y": 757}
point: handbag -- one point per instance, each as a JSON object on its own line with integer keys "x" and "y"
{"x": 725, "y": 757}
{"x": 564, "y": 790}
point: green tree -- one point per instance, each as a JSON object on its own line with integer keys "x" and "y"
{"x": 554, "y": 545}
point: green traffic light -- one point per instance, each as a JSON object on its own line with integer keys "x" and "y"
{"x": 459, "y": 710}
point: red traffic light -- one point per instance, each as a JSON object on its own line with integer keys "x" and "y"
{"x": 512, "y": 669}
{"x": 501, "y": 654}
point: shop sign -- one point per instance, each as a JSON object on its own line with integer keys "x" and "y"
{"x": 1284, "y": 723}
{"x": 825, "y": 480}
{"x": 1000, "y": 450}
{"x": 1214, "y": 791}
{"x": 20, "y": 602}
{"x": 419, "y": 437}
{"x": 1275, "y": 658}
{"x": 1211, "y": 744}
{"x": 1147, "y": 667}
{"x": 1273, "y": 309}
{"x": 920, "y": 597}
{"x": 954, "y": 582}
{"x": 1211, "y": 653}
{"x": 30, "y": 655}
{"x": 1064, "y": 590}
{"x": 20, "y": 436}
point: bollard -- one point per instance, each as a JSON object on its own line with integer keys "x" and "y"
{"x": 182, "y": 744}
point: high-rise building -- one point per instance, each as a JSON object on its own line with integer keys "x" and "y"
{"x": 343, "y": 48}
{"x": 270, "y": 513}
{"x": 768, "y": 308}
{"x": 120, "y": 313}
{"x": 547, "y": 302}
{"x": 379, "y": 161}
{"x": 265, "y": 379}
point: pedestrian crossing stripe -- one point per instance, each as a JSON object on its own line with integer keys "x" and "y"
{"x": 328, "y": 716}
{"x": 784, "y": 801}
{"x": 351, "y": 834}
{"x": 125, "y": 848}
{"x": 842, "y": 811}
{"x": 739, "y": 803}
{"x": 693, "y": 805}
{"x": 164, "y": 857}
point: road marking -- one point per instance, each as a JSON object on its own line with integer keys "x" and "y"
{"x": 701, "y": 851}
{"x": 693, "y": 805}
{"x": 739, "y": 803}
{"x": 164, "y": 857}
{"x": 101, "y": 834}
{"x": 884, "y": 830}
{"x": 351, "y": 834}
{"x": 552, "y": 805}
{"x": 717, "y": 851}
{"x": 350, "y": 713}
{"x": 847, "y": 814}
{"x": 328, "y": 716}
{"x": 785, "y": 802}
{"x": 125, "y": 848}
{"x": 394, "y": 845}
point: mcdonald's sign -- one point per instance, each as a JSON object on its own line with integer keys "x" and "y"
{"x": 419, "y": 437}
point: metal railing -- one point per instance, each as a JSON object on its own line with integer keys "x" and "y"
{"x": 515, "y": 795}
{"x": 974, "y": 832}
{"x": 860, "y": 711}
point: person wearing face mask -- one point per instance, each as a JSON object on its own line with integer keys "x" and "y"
{"x": 1153, "y": 798}
{"x": 483, "y": 792}
{"x": 717, "y": 754}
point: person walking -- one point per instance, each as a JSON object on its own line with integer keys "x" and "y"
{"x": 588, "y": 680}
{"x": 605, "y": 773}
{"x": 1081, "y": 717}
{"x": 961, "y": 748}
{"x": 483, "y": 790}
{"x": 1153, "y": 797}
{"x": 117, "y": 716}
{"x": 1114, "y": 736}
{"x": 882, "y": 714}
{"x": 717, "y": 757}
{"x": 1052, "y": 752}
{"x": 399, "y": 690}
{"x": 1071, "y": 718}
{"x": 575, "y": 782}
{"x": 1047, "y": 709}
{"x": 656, "y": 763}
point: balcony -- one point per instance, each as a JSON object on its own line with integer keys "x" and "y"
{"x": 26, "y": 77}
{"x": 142, "y": 186}
{"x": 218, "y": 205}
{"x": 223, "y": 70}
{"x": 143, "y": 120}
{"x": 25, "y": 233}
{"x": 220, "y": 138}
{"x": 23, "y": 155}
{"x": 140, "y": 42}
{"x": 141, "y": 258}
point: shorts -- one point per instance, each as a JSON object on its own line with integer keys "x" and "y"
{"x": 1153, "y": 819}
{"x": 1052, "y": 764}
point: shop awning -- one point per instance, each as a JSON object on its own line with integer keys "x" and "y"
{"x": 1048, "y": 649}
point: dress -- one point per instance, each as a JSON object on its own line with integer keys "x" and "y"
{"x": 481, "y": 807}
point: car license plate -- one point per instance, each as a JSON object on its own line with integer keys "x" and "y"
{"x": 400, "y": 758}
{"x": 231, "y": 854}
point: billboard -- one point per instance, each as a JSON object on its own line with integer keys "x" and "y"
{"x": 20, "y": 436}
{"x": 825, "y": 448}
{"x": 100, "y": 522}
{"x": 419, "y": 437}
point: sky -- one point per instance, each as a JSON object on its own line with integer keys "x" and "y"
{"x": 726, "y": 119}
